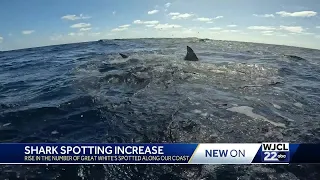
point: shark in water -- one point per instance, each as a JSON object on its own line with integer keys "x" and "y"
{"x": 123, "y": 56}
{"x": 191, "y": 56}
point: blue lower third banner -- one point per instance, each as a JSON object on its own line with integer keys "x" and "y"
{"x": 225, "y": 153}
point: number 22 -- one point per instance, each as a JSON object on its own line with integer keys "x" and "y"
{"x": 270, "y": 156}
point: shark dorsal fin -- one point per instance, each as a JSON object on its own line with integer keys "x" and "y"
{"x": 123, "y": 55}
{"x": 191, "y": 56}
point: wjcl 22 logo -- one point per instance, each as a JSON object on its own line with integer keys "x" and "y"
{"x": 275, "y": 152}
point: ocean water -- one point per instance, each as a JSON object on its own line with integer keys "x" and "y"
{"x": 85, "y": 92}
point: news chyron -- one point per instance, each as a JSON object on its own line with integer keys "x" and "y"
{"x": 275, "y": 153}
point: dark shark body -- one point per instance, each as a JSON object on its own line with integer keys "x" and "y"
{"x": 191, "y": 56}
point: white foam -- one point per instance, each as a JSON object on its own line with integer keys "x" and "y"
{"x": 217, "y": 71}
{"x": 204, "y": 114}
{"x": 6, "y": 124}
{"x": 197, "y": 111}
{"x": 277, "y": 88}
{"x": 246, "y": 110}
{"x": 54, "y": 132}
{"x": 298, "y": 105}
{"x": 276, "y": 106}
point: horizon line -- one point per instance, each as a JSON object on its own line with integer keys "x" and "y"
{"x": 80, "y": 42}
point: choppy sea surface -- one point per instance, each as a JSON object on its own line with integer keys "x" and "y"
{"x": 238, "y": 92}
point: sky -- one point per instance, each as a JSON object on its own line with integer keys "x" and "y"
{"x": 34, "y": 23}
